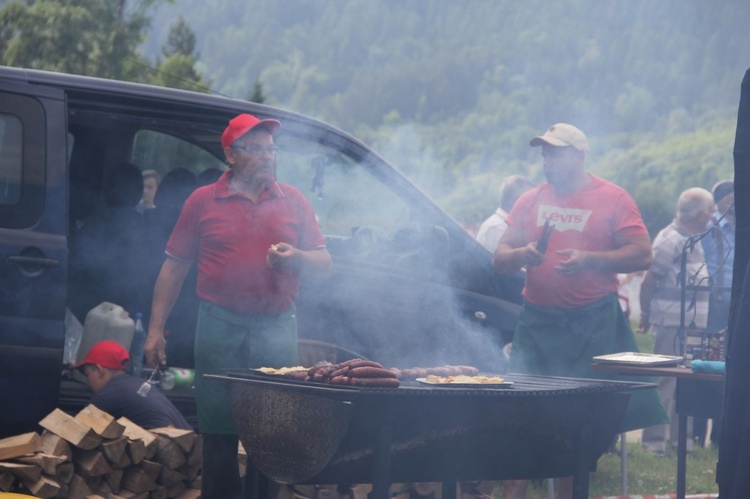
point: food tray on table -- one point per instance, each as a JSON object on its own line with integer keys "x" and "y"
{"x": 638, "y": 359}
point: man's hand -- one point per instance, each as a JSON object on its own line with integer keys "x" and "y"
{"x": 315, "y": 262}
{"x": 281, "y": 255}
{"x": 571, "y": 261}
{"x": 531, "y": 256}
{"x": 644, "y": 325}
{"x": 513, "y": 252}
{"x": 155, "y": 348}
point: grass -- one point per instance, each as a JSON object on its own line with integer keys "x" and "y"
{"x": 648, "y": 473}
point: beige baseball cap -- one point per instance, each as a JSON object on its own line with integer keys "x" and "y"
{"x": 562, "y": 135}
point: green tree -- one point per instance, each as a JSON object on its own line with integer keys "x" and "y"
{"x": 258, "y": 95}
{"x": 87, "y": 37}
{"x": 181, "y": 40}
{"x": 178, "y": 69}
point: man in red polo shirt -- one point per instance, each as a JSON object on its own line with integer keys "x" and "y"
{"x": 250, "y": 237}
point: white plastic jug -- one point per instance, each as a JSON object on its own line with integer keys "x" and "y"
{"x": 106, "y": 321}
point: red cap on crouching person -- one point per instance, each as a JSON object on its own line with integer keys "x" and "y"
{"x": 243, "y": 123}
{"x": 106, "y": 353}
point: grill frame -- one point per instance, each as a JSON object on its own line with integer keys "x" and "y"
{"x": 540, "y": 427}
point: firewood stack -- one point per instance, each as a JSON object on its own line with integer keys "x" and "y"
{"x": 94, "y": 456}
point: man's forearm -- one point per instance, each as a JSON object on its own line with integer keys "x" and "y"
{"x": 166, "y": 291}
{"x": 508, "y": 260}
{"x": 624, "y": 260}
{"x": 316, "y": 262}
{"x": 646, "y": 294}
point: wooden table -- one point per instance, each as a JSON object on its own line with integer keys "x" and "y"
{"x": 697, "y": 394}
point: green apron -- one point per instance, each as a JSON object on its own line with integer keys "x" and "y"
{"x": 226, "y": 339}
{"x": 555, "y": 341}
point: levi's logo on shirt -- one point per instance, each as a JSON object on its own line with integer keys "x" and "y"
{"x": 562, "y": 218}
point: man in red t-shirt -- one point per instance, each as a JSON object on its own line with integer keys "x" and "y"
{"x": 250, "y": 238}
{"x": 571, "y": 311}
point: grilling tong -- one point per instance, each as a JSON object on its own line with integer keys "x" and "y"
{"x": 541, "y": 245}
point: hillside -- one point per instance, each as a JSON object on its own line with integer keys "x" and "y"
{"x": 452, "y": 91}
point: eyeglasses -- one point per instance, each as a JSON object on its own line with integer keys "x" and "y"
{"x": 258, "y": 150}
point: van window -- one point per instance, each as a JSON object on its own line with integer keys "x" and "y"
{"x": 23, "y": 149}
{"x": 159, "y": 151}
{"x": 11, "y": 143}
{"x": 360, "y": 216}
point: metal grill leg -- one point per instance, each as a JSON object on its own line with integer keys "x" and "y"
{"x": 623, "y": 464}
{"x": 381, "y": 464}
{"x": 581, "y": 477}
{"x": 449, "y": 490}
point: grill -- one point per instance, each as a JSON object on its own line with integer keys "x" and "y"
{"x": 303, "y": 432}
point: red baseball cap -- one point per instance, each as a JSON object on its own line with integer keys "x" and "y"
{"x": 106, "y": 353}
{"x": 243, "y": 123}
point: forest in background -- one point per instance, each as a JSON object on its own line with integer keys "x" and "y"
{"x": 452, "y": 91}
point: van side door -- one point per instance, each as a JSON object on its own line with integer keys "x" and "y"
{"x": 33, "y": 252}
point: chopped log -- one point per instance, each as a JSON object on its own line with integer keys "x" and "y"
{"x": 103, "y": 489}
{"x": 190, "y": 494}
{"x": 70, "y": 429}
{"x": 127, "y": 494}
{"x": 191, "y": 471}
{"x": 175, "y": 489}
{"x": 170, "y": 454}
{"x": 45, "y": 487}
{"x": 168, "y": 477}
{"x": 6, "y": 481}
{"x": 25, "y": 472}
{"x": 196, "y": 453}
{"x": 47, "y": 462}
{"x": 159, "y": 493}
{"x": 91, "y": 462}
{"x": 18, "y": 445}
{"x": 196, "y": 484}
{"x": 101, "y": 422}
{"x": 55, "y": 445}
{"x": 78, "y": 488}
{"x": 114, "y": 449}
{"x": 114, "y": 480}
{"x": 136, "y": 450}
{"x": 136, "y": 480}
{"x": 124, "y": 461}
{"x": 63, "y": 490}
{"x": 133, "y": 432}
{"x": 183, "y": 438}
{"x": 94, "y": 482}
{"x": 65, "y": 471}
{"x": 152, "y": 469}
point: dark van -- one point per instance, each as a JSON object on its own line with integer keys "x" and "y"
{"x": 410, "y": 287}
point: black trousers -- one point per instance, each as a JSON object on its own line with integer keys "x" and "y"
{"x": 221, "y": 473}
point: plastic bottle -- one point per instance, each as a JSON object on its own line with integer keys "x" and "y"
{"x": 167, "y": 381}
{"x": 176, "y": 377}
{"x": 106, "y": 321}
{"x": 136, "y": 348}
